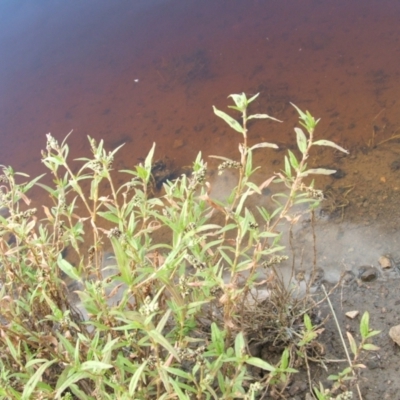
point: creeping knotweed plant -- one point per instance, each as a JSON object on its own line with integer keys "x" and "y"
{"x": 167, "y": 316}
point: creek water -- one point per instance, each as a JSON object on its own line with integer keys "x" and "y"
{"x": 138, "y": 72}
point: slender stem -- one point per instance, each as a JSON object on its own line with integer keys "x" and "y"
{"x": 341, "y": 338}
{"x": 296, "y": 183}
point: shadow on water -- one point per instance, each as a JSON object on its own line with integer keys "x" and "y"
{"x": 149, "y": 71}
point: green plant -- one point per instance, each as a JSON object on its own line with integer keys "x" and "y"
{"x": 349, "y": 373}
{"x": 170, "y": 316}
{"x": 357, "y": 349}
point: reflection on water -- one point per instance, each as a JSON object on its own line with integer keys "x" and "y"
{"x": 143, "y": 71}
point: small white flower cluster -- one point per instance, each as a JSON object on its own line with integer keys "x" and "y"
{"x": 198, "y": 177}
{"x": 274, "y": 260}
{"x": 228, "y": 164}
{"x": 148, "y": 308}
{"x": 52, "y": 143}
{"x": 313, "y": 193}
{"x": 345, "y": 396}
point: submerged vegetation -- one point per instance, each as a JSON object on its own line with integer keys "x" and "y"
{"x": 177, "y": 313}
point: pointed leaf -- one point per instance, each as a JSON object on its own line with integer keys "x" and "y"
{"x": 239, "y": 345}
{"x": 288, "y": 170}
{"x": 263, "y": 116}
{"x": 67, "y": 268}
{"x": 253, "y": 98}
{"x": 293, "y": 160}
{"x": 240, "y": 101}
{"x": 177, "y": 372}
{"x": 257, "y": 362}
{"x": 135, "y": 378}
{"x": 229, "y": 120}
{"x": 149, "y": 158}
{"x": 178, "y": 390}
{"x": 160, "y": 339}
{"x": 34, "y": 379}
{"x": 307, "y": 322}
{"x": 373, "y": 333}
{"x": 285, "y": 359}
{"x": 109, "y": 216}
{"x": 353, "y": 344}
{"x": 364, "y": 325}
{"x": 303, "y": 116}
{"x": 264, "y": 144}
{"x": 318, "y": 171}
{"x": 94, "y": 366}
{"x": 301, "y": 140}
{"x": 330, "y": 144}
{"x": 77, "y": 376}
{"x": 359, "y": 366}
{"x": 370, "y": 347}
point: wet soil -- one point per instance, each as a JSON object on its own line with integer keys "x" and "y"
{"x": 357, "y": 224}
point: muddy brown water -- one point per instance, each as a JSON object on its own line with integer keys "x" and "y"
{"x": 145, "y": 71}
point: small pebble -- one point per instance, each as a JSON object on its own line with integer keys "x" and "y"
{"x": 367, "y": 273}
{"x": 394, "y": 334}
{"x": 385, "y": 262}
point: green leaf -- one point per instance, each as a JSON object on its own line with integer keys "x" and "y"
{"x": 285, "y": 359}
{"x": 330, "y": 144}
{"x": 160, "y": 339}
{"x": 149, "y": 158}
{"x": 263, "y": 116}
{"x": 309, "y": 121}
{"x": 254, "y": 187}
{"x": 370, "y": 347}
{"x": 34, "y": 379}
{"x": 226, "y": 257}
{"x": 68, "y": 269}
{"x": 263, "y": 145}
{"x": 28, "y": 185}
{"x": 252, "y": 98}
{"x": 217, "y": 338}
{"x": 163, "y": 321}
{"x": 373, "y": 333}
{"x": 229, "y": 120}
{"x": 249, "y": 164}
{"x": 75, "y": 377}
{"x": 301, "y": 140}
{"x": 109, "y": 216}
{"x": 293, "y": 160}
{"x": 333, "y": 377}
{"x": 288, "y": 170}
{"x": 239, "y": 345}
{"x": 178, "y": 390}
{"x": 303, "y": 116}
{"x": 178, "y": 372}
{"x": 257, "y": 362}
{"x": 346, "y": 371}
{"x": 318, "y": 171}
{"x": 135, "y": 379}
{"x": 122, "y": 261}
{"x": 320, "y": 395}
{"x": 95, "y": 366}
{"x": 353, "y": 344}
{"x": 364, "y": 325}
{"x": 240, "y": 101}
{"x": 307, "y": 322}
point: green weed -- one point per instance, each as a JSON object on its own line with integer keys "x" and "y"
{"x": 172, "y": 315}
